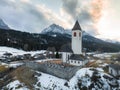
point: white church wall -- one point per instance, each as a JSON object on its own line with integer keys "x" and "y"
{"x": 65, "y": 56}
{"x": 76, "y": 62}
{"x": 77, "y": 42}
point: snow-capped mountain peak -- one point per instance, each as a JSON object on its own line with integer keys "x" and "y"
{"x": 55, "y": 29}
{"x": 85, "y": 33}
{"x": 3, "y": 25}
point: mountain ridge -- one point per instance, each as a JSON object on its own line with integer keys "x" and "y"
{"x": 34, "y": 41}
{"x": 3, "y": 25}
{"x": 54, "y": 28}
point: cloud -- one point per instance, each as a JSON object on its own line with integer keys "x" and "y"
{"x": 21, "y": 15}
{"x": 70, "y": 6}
{"x": 88, "y": 12}
{"x": 25, "y": 1}
{"x": 28, "y": 16}
{"x": 96, "y": 9}
{"x": 34, "y": 16}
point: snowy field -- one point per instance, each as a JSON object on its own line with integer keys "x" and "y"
{"x": 14, "y": 51}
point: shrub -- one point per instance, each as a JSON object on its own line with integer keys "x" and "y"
{"x": 2, "y": 68}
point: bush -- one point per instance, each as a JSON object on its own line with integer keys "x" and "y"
{"x": 2, "y": 68}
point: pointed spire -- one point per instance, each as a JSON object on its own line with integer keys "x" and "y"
{"x": 77, "y": 26}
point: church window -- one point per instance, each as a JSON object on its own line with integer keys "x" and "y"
{"x": 80, "y": 34}
{"x": 111, "y": 72}
{"x": 74, "y": 34}
{"x": 75, "y": 61}
{"x": 68, "y": 57}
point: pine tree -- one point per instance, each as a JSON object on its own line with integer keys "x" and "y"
{"x": 57, "y": 55}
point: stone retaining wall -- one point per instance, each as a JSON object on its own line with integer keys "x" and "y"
{"x": 58, "y": 70}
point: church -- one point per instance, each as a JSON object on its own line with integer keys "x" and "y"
{"x": 73, "y": 55}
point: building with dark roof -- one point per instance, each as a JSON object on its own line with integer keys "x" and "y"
{"x": 114, "y": 69}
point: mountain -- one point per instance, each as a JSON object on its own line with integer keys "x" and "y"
{"x": 3, "y": 25}
{"x": 90, "y": 43}
{"x": 53, "y": 36}
{"x": 55, "y": 29}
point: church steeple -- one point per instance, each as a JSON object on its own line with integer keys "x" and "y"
{"x": 77, "y": 39}
{"x": 77, "y": 26}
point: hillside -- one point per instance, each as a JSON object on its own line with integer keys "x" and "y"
{"x": 53, "y": 36}
{"x": 24, "y": 78}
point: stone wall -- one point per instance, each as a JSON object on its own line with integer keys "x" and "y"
{"x": 58, "y": 70}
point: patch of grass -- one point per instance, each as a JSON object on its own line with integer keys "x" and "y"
{"x": 95, "y": 65}
{"x": 107, "y": 61}
{"x": 26, "y": 76}
{"x": 3, "y": 68}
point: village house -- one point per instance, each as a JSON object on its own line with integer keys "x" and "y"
{"x": 114, "y": 69}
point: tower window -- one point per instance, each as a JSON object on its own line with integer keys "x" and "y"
{"x": 80, "y": 34}
{"x": 74, "y": 34}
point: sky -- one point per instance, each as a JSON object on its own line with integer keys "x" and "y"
{"x": 99, "y": 18}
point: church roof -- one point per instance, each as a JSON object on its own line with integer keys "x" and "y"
{"x": 77, "y": 57}
{"x": 77, "y": 26}
{"x": 115, "y": 66}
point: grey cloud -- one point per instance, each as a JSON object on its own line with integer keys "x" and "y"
{"x": 26, "y": 17}
{"x": 22, "y": 16}
{"x": 4, "y": 3}
{"x": 70, "y": 6}
{"x": 84, "y": 16}
{"x": 81, "y": 13}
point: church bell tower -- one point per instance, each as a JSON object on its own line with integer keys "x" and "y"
{"x": 77, "y": 39}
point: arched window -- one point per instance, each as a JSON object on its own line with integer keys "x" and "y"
{"x": 111, "y": 72}
{"x": 80, "y": 34}
{"x": 74, "y": 61}
{"x": 74, "y": 34}
{"x": 68, "y": 57}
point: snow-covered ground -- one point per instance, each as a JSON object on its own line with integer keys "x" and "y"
{"x": 16, "y": 85}
{"x": 15, "y": 51}
{"x": 49, "y": 82}
{"x": 4, "y": 49}
{"x": 54, "y": 83}
{"x": 104, "y": 55}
